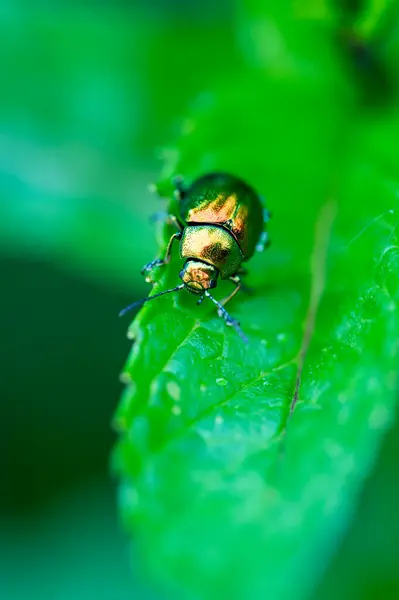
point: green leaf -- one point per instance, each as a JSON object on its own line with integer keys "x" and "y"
{"x": 241, "y": 464}
{"x": 366, "y": 565}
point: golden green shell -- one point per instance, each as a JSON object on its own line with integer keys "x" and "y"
{"x": 213, "y": 245}
{"x": 227, "y": 202}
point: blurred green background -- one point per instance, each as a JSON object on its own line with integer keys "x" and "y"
{"x": 90, "y": 91}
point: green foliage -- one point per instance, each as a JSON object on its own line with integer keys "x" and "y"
{"x": 83, "y": 109}
{"x": 366, "y": 565}
{"x": 241, "y": 464}
{"x": 70, "y": 115}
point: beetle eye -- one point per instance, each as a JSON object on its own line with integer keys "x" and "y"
{"x": 213, "y": 283}
{"x": 181, "y": 274}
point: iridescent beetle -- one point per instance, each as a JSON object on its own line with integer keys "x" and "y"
{"x": 221, "y": 222}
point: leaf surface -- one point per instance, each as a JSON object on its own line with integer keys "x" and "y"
{"x": 240, "y": 464}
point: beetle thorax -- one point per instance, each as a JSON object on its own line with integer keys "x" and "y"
{"x": 199, "y": 276}
{"x": 211, "y": 245}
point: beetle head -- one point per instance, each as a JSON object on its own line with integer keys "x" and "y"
{"x": 198, "y": 276}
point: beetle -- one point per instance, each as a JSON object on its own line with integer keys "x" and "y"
{"x": 220, "y": 224}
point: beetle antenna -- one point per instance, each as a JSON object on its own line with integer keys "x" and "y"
{"x": 144, "y": 300}
{"x": 222, "y": 312}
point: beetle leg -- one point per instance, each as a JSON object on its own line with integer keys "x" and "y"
{"x": 172, "y": 220}
{"x": 159, "y": 262}
{"x": 235, "y": 279}
{"x": 228, "y": 319}
{"x": 245, "y": 288}
{"x": 264, "y": 241}
{"x": 180, "y": 188}
{"x": 166, "y": 218}
{"x": 267, "y": 215}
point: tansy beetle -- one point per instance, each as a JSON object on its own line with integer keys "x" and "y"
{"x": 220, "y": 224}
